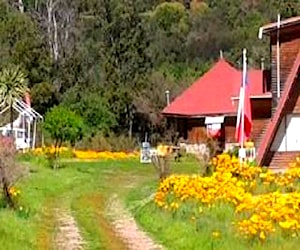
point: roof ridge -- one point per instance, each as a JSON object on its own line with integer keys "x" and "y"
{"x": 273, "y": 125}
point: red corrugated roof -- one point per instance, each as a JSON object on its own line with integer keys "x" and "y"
{"x": 274, "y": 124}
{"x": 211, "y": 94}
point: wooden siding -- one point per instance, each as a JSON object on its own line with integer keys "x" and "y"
{"x": 296, "y": 108}
{"x": 261, "y": 108}
{"x": 289, "y": 47}
{"x": 258, "y": 128}
{"x": 196, "y": 130}
{"x": 193, "y": 130}
{"x": 182, "y": 127}
{"x": 293, "y": 106}
{"x": 281, "y": 160}
{"x": 230, "y": 124}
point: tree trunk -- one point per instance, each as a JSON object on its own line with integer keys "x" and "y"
{"x": 130, "y": 128}
{"x": 5, "y": 188}
{"x": 21, "y": 6}
{"x": 7, "y": 196}
{"x": 55, "y": 39}
{"x": 36, "y": 2}
{"x": 49, "y": 24}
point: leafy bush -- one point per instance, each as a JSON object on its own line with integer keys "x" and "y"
{"x": 95, "y": 109}
{"x": 114, "y": 143}
{"x": 10, "y": 170}
{"x": 63, "y": 126}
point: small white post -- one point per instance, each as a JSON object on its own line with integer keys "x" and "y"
{"x": 168, "y": 96}
{"x": 29, "y": 133}
{"x": 34, "y": 135}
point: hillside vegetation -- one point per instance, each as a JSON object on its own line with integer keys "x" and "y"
{"x": 111, "y": 61}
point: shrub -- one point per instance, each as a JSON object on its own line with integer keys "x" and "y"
{"x": 10, "y": 171}
{"x": 112, "y": 142}
{"x": 63, "y": 126}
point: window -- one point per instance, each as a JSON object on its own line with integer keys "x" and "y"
{"x": 20, "y": 134}
{"x": 214, "y": 125}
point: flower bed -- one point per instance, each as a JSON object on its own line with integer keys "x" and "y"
{"x": 264, "y": 202}
{"x": 87, "y": 154}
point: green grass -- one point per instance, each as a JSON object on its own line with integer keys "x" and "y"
{"x": 83, "y": 188}
{"x": 80, "y": 187}
{"x": 179, "y": 232}
{"x": 189, "y": 230}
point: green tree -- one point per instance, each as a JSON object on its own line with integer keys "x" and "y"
{"x": 93, "y": 107}
{"x": 125, "y": 64}
{"x": 63, "y": 125}
{"x": 168, "y": 28}
{"x": 22, "y": 43}
{"x": 13, "y": 86}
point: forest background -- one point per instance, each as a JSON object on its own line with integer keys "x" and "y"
{"x": 111, "y": 61}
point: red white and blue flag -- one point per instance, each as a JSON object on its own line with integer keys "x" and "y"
{"x": 244, "y": 116}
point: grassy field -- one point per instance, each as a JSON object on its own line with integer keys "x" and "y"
{"x": 179, "y": 233}
{"x": 208, "y": 229}
{"x": 83, "y": 188}
{"x": 79, "y": 187}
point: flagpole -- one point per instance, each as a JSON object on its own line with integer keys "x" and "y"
{"x": 278, "y": 56}
{"x": 243, "y": 99}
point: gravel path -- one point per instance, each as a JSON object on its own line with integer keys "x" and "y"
{"x": 68, "y": 236}
{"x": 126, "y": 228}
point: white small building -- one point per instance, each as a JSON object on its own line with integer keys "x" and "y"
{"x": 24, "y": 127}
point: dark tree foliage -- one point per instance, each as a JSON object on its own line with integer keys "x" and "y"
{"x": 111, "y": 61}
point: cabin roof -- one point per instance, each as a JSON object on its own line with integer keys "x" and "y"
{"x": 271, "y": 27}
{"x": 213, "y": 93}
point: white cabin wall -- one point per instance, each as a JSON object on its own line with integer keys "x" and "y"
{"x": 287, "y": 138}
{"x": 293, "y": 132}
{"x": 279, "y": 143}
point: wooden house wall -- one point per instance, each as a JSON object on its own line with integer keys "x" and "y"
{"x": 230, "y": 125}
{"x": 293, "y": 105}
{"x": 196, "y": 130}
{"x": 258, "y": 128}
{"x": 261, "y": 113}
{"x": 182, "y": 127}
{"x": 287, "y": 132}
{"x": 261, "y": 108}
{"x": 289, "y": 47}
{"x": 193, "y": 130}
{"x": 296, "y": 93}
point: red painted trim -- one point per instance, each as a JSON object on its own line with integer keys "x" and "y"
{"x": 274, "y": 124}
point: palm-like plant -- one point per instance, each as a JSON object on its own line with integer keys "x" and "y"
{"x": 13, "y": 86}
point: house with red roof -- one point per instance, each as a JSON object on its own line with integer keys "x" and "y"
{"x": 281, "y": 141}
{"x": 209, "y": 105}
{"x": 211, "y": 102}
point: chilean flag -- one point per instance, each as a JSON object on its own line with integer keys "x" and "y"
{"x": 244, "y": 116}
{"x": 27, "y": 99}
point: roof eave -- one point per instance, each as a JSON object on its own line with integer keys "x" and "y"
{"x": 267, "y": 96}
{"x": 269, "y": 28}
{"x": 198, "y": 115}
